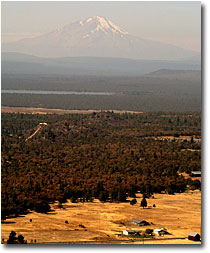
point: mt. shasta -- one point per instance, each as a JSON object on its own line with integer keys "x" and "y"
{"x": 97, "y": 37}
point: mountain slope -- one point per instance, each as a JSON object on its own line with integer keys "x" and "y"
{"x": 98, "y": 37}
{"x": 15, "y": 63}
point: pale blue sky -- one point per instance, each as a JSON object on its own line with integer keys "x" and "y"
{"x": 178, "y": 23}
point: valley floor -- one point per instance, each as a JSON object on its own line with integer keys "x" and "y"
{"x": 33, "y": 110}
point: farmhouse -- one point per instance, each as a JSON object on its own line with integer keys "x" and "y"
{"x": 194, "y": 236}
{"x": 139, "y": 222}
{"x": 132, "y": 232}
{"x": 196, "y": 174}
{"x": 160, "y": 231}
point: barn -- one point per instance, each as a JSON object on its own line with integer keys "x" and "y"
{"x": 193, "y": 236}
{"x": 139, "y": 222}
{"x": 132, "y": 232}
{"x": 196, "y": 174}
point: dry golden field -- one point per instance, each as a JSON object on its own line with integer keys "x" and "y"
{"x": 33, "y": 110}
{"x": 180, "y": 214}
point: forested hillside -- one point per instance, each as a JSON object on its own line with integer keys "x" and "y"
{"x": 104, "y": 155}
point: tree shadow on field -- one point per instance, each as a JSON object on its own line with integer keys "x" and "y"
{"x": 51, "y": 212}
{"x": 8, "y": 222}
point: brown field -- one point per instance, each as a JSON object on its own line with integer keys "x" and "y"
{"x": 33, "y": 110}
{"x": 180, "y": 214}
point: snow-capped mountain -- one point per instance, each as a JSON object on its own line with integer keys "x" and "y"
{"x": 99, "y": 37}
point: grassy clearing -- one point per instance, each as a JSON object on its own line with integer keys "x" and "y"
{"x": 180, "y": 214}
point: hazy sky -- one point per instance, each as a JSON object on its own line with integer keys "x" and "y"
{"x": 177, "y": 23}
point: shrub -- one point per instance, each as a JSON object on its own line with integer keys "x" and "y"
{"x": 133, "y": 202}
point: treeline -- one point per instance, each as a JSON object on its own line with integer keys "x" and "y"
{"x": 101, "y": 155}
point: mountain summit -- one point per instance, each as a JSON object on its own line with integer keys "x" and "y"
{"x": 101, "y": 24}
{"x": 96, "y": 36}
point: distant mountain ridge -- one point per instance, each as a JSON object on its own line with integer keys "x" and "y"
{"x": 96, "y": 37}
{"x": 16, "y": 63}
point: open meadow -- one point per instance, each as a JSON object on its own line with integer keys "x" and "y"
{"x": 99, "y": 222}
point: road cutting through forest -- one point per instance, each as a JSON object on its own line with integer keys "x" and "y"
{"x": 37, "y": 130}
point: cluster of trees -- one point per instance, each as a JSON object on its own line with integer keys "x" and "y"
{"x": 103, "y": 155}
{"x": 13, "y": 239}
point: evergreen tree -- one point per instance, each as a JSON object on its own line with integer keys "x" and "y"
{"x": 12, "y": 238}
{"x": 143, "y": 203}
{"x": 41, "y": 207}
{"x": 103, "y": 196}
{"x": 20, "y": 239}
{"x": 121, "y": 196}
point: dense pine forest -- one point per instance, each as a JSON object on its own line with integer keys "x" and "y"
{"x": 102, "y": 155}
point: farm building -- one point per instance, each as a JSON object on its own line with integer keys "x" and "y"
{"x": 194, "y": 236}
{"x": 139, "y": 222}
{"x": 160, "y": 231}
{"x": 132, "y": 232}
{"x": 196, "y": 174}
